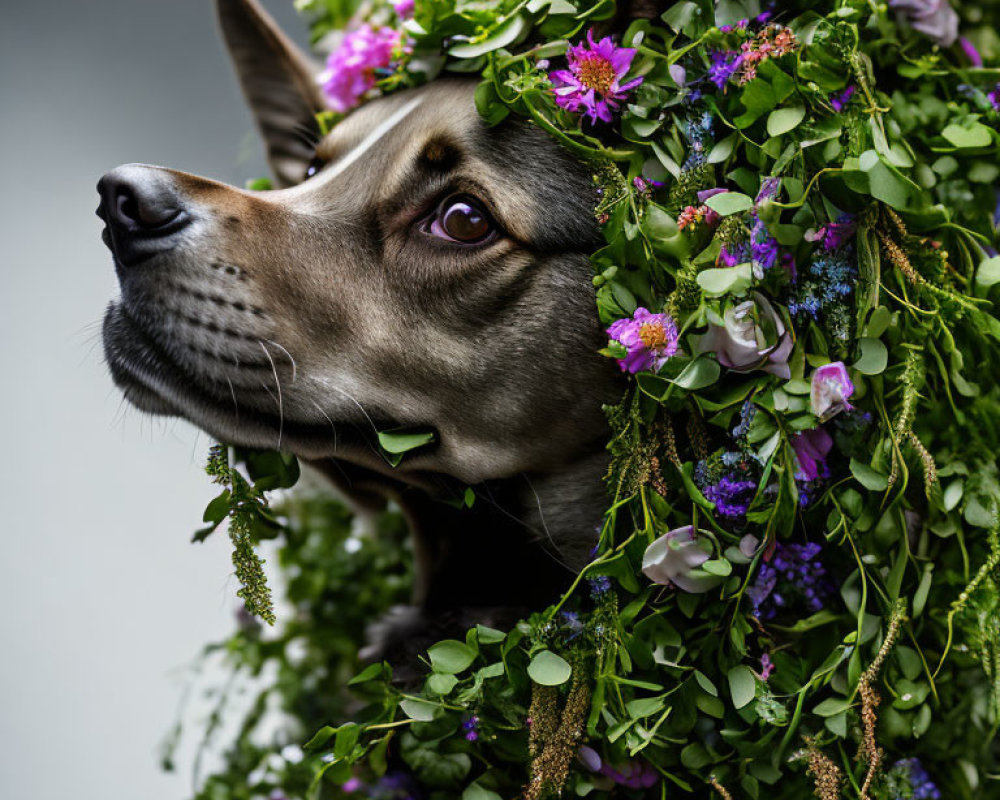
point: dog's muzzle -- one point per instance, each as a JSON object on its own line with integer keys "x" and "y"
{"x": 142, "y": 210}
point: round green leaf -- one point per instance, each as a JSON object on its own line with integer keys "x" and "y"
{"x": 873, "y": 357}
{"x": 727, "y": 203}
{"x": 548, "y": 669}
{"x": 782, "y": 120}
{"x": 698, "y": 374}
{"x": 968, "y": 136}
{"x": 451, "y": 656}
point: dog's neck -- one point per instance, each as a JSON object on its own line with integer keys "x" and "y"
{"x": 519, "y": 544}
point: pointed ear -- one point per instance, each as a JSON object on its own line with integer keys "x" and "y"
{"x": 278, "y": 82}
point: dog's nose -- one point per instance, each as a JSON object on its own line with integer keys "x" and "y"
{"x": 142, "y": 208}
{"x": 139, "y": 198}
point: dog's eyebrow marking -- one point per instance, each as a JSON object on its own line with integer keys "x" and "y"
{"x": 439, "y": 154}
{"x": 376, "y": 133}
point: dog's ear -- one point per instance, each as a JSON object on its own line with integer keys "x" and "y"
{"x": 278, "y": 82}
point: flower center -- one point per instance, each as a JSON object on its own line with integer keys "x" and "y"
{"x": 653, "y": 335}
{"x": 596, "y": 73}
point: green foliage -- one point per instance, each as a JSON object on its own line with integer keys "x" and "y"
{"x": 821, "y": 630}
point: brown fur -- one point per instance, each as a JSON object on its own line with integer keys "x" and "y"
{"x": 309, "y": 317}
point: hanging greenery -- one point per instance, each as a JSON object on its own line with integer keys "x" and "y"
{"x": 797, "y": 585}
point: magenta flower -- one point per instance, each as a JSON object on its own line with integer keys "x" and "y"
{"x": 592, "y": 84}
{"x": 811, "y": 449}
{"x": 831, "y": 386}
{"x": 403, "y": 8}
{"x": 651, "y": 339}
{"x": 350, "y": 69}
{"x": 673, "y": 560}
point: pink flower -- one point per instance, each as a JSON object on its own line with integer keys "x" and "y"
{"x": 651, "y": 339}
{"x": 350, "y": 69}
{"x": 811, "y": 449}
{"x": 593, "y": 81}
{"x": 831, "y": 386}
{"x": 752, "y": 336}
{"x": 672, "y": 559}
{"x": 403, "y": 8}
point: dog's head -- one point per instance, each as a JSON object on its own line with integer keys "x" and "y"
{"x": 417, "y": 269}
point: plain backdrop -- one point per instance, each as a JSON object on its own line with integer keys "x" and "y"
{"x": 104, "y": 599}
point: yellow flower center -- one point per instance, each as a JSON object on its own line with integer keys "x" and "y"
{"x": 653, "y": 335}
{"x": 597, "y": 74}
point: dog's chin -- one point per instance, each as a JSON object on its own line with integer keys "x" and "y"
{"x": 155, "y": 384}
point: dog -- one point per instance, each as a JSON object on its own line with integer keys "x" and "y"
{"x": 414, "y": 269}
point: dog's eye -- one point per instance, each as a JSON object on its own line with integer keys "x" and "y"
{"x": 461, "y": 219}
{"x": 314, "y": 166}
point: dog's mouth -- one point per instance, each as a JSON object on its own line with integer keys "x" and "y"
{"x": 154, "y": 382}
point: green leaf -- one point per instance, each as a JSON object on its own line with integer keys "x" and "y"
{"x": 988, "y": 272}
{"x": 476, "y": 792}
{"x": 501, "y": 37}
{"x": 782, "y": 120}
{"x": 726, "y": 203}
{"x": 451, "y": 656}
{"x": 742, "y": 685}
{"x": 396, "y": 443}
{"x": 873, "y": 357}
{"x": 832, "y": 706}
{"x": 868, "y": 477}
{"x": 548, "y": 669}
{"x": 717, "y": 281}
{"x": 722, "y": 149}
{"x": 701, "y": 372}
{"x": 969, "y": 136}
{"x": 418, "y": 709}
{"x": 718, "y": 566}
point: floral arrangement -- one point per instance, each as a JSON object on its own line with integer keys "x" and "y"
{"x": 797, "y": 586}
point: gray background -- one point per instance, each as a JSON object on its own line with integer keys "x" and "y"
{"x": 105, "y": 601}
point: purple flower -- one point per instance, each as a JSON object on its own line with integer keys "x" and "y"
{"x": 590, "y": 758}
{"x": 725, "y": 64}
{"x": 732, "y": 497}
{"x": 971, "y": 52}
{"x": 794, "y": 574}
{"x": 752, "y": 336}
{"x": 635, "y": 774}
{"x": 840, "y": 100}
{"x": 471, "y": 726}
{"x": 811, "y": 449}
{"x": 831, "y": 386}
{"x": 671, "y": 560}
{"x": 593, "y": 81}
{"x": 908, "y": 779}
{"x": 766, "y": 666}
{"x": 599, "y": 585}
{"x": 936, "y": 19}
{"x": 994, "y": 97}
{"x": 834, "y": 235}
{"x": 350, "y": 69}
{"x": 651, "y": 339}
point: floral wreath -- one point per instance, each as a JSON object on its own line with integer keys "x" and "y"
{"x": 797, "y": 586}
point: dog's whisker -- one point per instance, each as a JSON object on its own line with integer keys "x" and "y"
{"x": 232, "y": 392}
{"x": 333, "y": 427}
{"x": 285, "y": 351}
{"x": 277, "y": 385}
{"x": 545, "y": 527}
